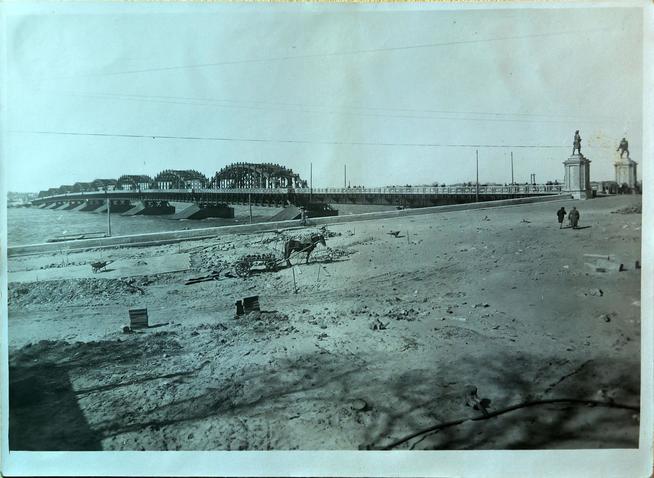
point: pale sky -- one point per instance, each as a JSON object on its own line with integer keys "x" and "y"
{"x": 401, "y": 96}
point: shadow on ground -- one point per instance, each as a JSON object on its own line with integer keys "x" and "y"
{"x": 44, "y": 414}
{"x": 319, "y": 387}
{"x": 423, "y": 398}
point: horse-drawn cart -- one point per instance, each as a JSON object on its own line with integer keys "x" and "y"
{"x": 255, "y": 262}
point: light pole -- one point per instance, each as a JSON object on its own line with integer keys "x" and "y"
{"x": 477, "y": 193}
{"x": 106, "y": 195}
{"x": 512, "y": 181}
{"x": 250, "y": 205}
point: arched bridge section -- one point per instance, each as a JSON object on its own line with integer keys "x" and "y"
{"x": 180, "y": 179}
{"x": 257, "y": 176}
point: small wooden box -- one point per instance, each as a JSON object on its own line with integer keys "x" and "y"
{"x": 138, "y": 318}
{"x": 251, "y": 304}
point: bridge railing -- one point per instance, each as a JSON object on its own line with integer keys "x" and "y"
{"x": 492, "y": 189}
{"x": 391, "y": 190}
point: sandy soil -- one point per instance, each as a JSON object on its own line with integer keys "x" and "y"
{"x": 379, "y": 338}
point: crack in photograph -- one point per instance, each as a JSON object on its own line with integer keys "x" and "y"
{"x": 323, "y": 227}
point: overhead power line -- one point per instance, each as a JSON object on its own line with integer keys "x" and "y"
{"x": 342, "y": 53}
{"x": 355, "y": 111}
{"x": 289, "y": 141}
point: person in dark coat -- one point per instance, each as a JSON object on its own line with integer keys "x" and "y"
{"x": 574, "y": 217}
{"x": 560, "y": 214}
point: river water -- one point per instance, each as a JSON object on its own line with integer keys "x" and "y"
{"x": 36, "y": 226}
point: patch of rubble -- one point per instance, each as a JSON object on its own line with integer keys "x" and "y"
{"x": 636, "y": 209}
{"x": 70, "y": 291}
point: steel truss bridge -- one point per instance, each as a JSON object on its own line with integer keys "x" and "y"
{"x": 265, "y": 184}
{"x": 307, "y": 197}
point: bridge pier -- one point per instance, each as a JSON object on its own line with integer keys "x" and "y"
{"x": 58, "y": 205}
{"x": 92, "y": 205}
{"x": 205, "y": 210}
{"x": 73, "y": 205}
{"x": 149, "y": 208}
{"x": 117, "y": 206}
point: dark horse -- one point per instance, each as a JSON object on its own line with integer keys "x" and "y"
{"x": 302, "y": 245}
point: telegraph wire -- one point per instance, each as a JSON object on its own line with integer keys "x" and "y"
{"x": 353, "y": 111}
{"x": 276, "y": 103}
{"x": 339, "y": 53}
{"x": 287, "y": 141}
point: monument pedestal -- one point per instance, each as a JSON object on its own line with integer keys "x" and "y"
{"x": 626, "y": 172}
{"x": 577, "y": 177}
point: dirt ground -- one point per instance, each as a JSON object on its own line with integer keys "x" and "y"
{"x": 378, "y": 338}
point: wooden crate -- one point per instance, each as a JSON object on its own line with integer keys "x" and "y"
{"x": 251, "y": 304}
{"x": 138, "y": 318}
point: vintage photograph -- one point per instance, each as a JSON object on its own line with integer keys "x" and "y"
{"x": 323, "y": 227}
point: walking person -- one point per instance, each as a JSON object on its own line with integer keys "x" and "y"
{"x": 560, "y": 214}
{"x": 574, "y": 217}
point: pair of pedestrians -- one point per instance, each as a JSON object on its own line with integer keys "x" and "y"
{"x": 573, "y": 217}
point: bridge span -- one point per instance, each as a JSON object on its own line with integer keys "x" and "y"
{"x": 215, "y": 202}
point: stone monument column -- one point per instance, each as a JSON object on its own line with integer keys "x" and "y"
{"x": 577, "y": 177}
{"x": 626, "y": 172}
{"x": 577, "y": 172}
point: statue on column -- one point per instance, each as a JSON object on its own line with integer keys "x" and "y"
{"x": 623, "y": 148}
{"x": 577, "y": 143}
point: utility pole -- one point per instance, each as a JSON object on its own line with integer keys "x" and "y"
{"x": 512, "y": 181}
{"x": 310, "y": 182}
{"x": 250, "y": 205}
{"x": 106, "y": 193}
{"x": 477, "y": 193}
{"x": 345, "y": 176}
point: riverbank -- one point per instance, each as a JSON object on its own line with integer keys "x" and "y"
{"x": 349, "y": 213}
{"x": 378, "y": 337}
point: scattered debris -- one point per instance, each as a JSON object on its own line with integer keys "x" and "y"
{"x": 99, "y": 266}
{"x": 605, "y": 264}
{"x": 130, "y": 284}
{"x": 395, "y": 234}
{"x": 524, "y": 220}
{"x": 460, "y": 319}
{"x": 213, "y": 276}
{"x": 637, "y": 209}
{"x": 473, "y": 400}
{"x": 595, "y": 292}
{"x": 327, "y": 233}
{"x": 360, "y": 405}
{"x": 601, "y": 256}
{"x": 378, "y": 325}
{"x": 607, "y": 317}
